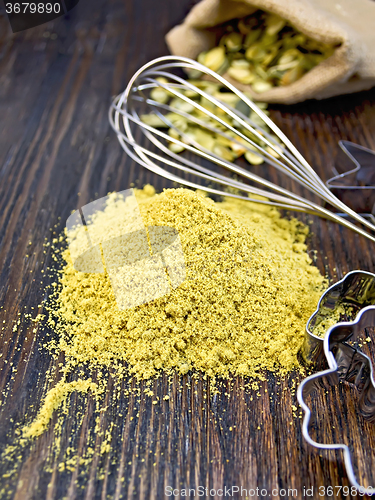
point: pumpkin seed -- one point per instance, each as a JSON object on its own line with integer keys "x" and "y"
{"x": 241, "y": 63}
{"x": 182, "y": 105}
{"x": 228, "y": 147}
{"x": 292, "y": 75}
{"x": 203, "y": 137}
{"x": 153, "y": 120}
{"x": 172, "y": 146}
{"x": 239, "y": 149}
{"x": 271, "y": 56}
{"x": 242, "y": 75}
{"x": 223, "y": 152}
{"x": 227, "y": 98}
{"x": 309, "y": 61}
{"x": 243, "y": 27}
{"x": 294, "y": 40}
{"x": 215, "y": 58}
{"x": 250, "y": 135}
{"x": 193, "y": 73}
{"x": 162, "y": 79}
{"x": 232, "y": 42}
{"x": 256, "y": 52}
{"x": 260, "y": 86}
{"x": 259, "y": 71}
{"x": 174, "y": 134}
{"x": 180, "y": 124}
{"x": 253, "y": 158}
{"x": 251, "y": 38}
{"x": 158, "y": 94}
{"x": 289, "y": 56}
{"x": 191, "y": 94}
{"x": 205, "y": 84}
{"x": 274, "y": 24}
{"x": 175, "y": 148}
{"x": 256, "y": 119}
{"x": 272, "y": 152}
{"x": 268, "y": 39}
{"x": 224, "y": 141}
{"x": 248, "y": 23}
{"x": 207, "y": 104}
{"x": 202, "y": 57}
{"x": 262, "y": 105}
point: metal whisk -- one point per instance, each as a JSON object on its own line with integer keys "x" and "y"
{"x": 158, "y": 156}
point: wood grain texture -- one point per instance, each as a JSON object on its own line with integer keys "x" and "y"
{"x": 57, "y": 153}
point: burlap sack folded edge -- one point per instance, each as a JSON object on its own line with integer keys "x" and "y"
{"x": 339, "y": 74}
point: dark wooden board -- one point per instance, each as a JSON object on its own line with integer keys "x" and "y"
{"x": 55, "y": 142}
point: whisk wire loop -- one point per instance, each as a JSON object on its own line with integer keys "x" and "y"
{"x": 226, "y": 121}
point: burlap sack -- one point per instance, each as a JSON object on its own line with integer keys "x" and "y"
{"x": 350, "y": 23}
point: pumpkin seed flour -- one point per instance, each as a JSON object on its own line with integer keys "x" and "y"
{"x": 249, "y": 290}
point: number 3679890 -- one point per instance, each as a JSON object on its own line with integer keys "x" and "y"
{"x": 33, "y": 8}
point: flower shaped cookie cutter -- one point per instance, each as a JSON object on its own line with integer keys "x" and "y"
{"x": 349, "y": 307}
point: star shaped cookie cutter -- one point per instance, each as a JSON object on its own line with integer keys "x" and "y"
{"x": 350, "y": 304}
{"x": 354, "y": 179}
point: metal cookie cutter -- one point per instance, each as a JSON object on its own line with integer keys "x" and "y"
{"x": 350, "y": 306}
